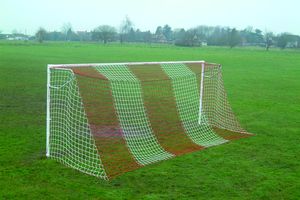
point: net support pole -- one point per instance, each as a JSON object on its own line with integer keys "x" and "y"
{"x": 48, "y": 114}
{"x": 201, "y": 92}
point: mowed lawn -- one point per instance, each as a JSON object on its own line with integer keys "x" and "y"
{"x": 263, "y": 89}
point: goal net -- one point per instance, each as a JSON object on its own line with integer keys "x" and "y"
{"x": 106, "y": 119}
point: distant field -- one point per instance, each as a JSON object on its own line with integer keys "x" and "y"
{"x": 263, "y": 89}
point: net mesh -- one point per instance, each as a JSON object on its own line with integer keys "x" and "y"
{"x": 109, "y": 119}
{"x": 71, "y": 140}
{"x": 187, "y": 96}
{"x": 128, "y": 100}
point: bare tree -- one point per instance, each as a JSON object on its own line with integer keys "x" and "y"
{"x": 125, "y": 28}
{"x": 66, "y": 29}
{"x": 104, "y": 33}
{"x": 268, "y": 37}
{"x": 41, "y": 34}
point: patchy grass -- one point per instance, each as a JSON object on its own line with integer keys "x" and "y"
{"x": 263, "y": 89}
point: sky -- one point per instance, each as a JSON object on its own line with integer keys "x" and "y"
{"x": 26, "y": 16}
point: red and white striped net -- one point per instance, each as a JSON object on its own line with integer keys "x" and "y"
{"x": 109, "y": 119}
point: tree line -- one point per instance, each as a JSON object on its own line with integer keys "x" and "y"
{"x": 197, "y": 36}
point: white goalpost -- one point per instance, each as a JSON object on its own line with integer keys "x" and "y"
{"x": 108, "y": 118}
{"x": 201, "y": 92}
{"x": 48, "y": 114}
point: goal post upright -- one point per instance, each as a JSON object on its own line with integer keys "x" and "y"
{"x": 48, "y": 113}
{"x": 201, "y": 92}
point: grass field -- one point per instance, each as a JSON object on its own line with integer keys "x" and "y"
{"x": 263, "y": 89}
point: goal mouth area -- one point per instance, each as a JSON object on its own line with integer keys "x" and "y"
{"x": 105, "y": 119}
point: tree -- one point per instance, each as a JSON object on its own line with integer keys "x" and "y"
{"x": 284, "y": 39}
{"x": 66, "y": 29}
{"x": 147, "y": 37}
{"x": 186, "y": 38}
{"x": 234, "y": 38}
{"x": 55, "y": 36}
{"x": 104, "y": 33}
{"x": 84, "y": 35}
{"x": 192, "y": 38}
{"x": 138, "y": 36}
{"x": 259, "y": 38}
{"x": 131, "y": 36}
{"x": 159, "y": 30}
{"x": 217, "y": 35}
{"x": 268, "y": 38}
{"x": 125, "y": 28}
{"x": 179, "y": 35}
{"x": 41, "y": 34}
{"x": 167, "y": 32}
{"x": 203, "y": 32}
{"x": 69, "y": 34}
{"x": 159, "y": 36}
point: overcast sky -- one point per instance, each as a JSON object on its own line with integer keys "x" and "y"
{"x": 27, "y": 15}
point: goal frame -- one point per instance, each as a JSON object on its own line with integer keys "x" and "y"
{"x": 66, "y": 66}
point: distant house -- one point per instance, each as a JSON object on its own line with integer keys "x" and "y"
{"x": 203, "y": 43}
{"x": 293, "y": 44}
{"x": 293, "y": 41}
{"x": 17, "y": 36}
{"x": 159, "y": 38}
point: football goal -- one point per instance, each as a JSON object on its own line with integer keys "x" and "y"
{"x": 108, "y": 118}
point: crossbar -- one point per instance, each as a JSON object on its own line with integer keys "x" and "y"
{"x": 124, "y": 63}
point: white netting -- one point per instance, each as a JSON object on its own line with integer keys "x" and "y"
{"x": 216, "y": 105}
{"x": 187, "y": 98}
{"x": 127, "y": 93}
{"x": 71, "y": 141}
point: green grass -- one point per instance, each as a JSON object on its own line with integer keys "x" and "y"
{"x": 263, "y": 89}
